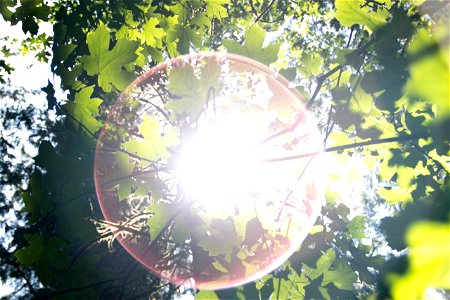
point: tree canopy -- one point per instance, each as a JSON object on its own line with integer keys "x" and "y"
{"x": 374, "y": 73}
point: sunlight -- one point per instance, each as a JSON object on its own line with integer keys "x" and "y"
{"x": 218, "y": 165}
{"x": 346, "y": 178}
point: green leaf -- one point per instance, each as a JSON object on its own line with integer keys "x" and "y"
{"x": 84, "y": 109}
{"x": 311, "y": 64}
{"x": 162, "y": 213}
{"x": 430, "y": 75}
{"x": 429, "y": 258}
{"x": 29, "y": 255}
{"x": 152, "y": 35}
{"x": 254, "y": 38}
{"x": 395, "y": 195}
{"x": 63, "y": 51}
{"x": 325, "y": 261}
{"x": 182, "y": 37}
{"x": 125, "y": 187}
{"x": 108, "y": 64}
{"x": 291, "y": 287}
{"x": 46, "y": 254}
{"x": 122, "y": 174}
{"x": 69, "y": 77}
{"x": 35, "y": 202}
{"x": 216, "y": 9}
{"x": 342, "y": 277}
{"x": 201, "y": 19}
{"x": 316, "y": 229}
{"x": 340, "y": 95}
{"x": 349, "y": 13}
{"x": 363, "y": 102}
{"x": 221, "y": 240}
{"x": 324, "y": 292}
{"x": 323, "y": 264}
{"x": 4, "y": 9}
{"x": 206, "y": 295}
{"x": 152, "y": 145}
{"x": 124, "y": 163}
{"x": 356, "y": 227}
{"x": 192, "y": 91}
{"x": 253, "y": 46}
{"x": 149, "y": 183}
{"x": 180, "y": 11}
{"x": 288, "y": 73}
{"x": 182, "y": 230}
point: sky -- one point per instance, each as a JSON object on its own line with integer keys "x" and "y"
{"x": 29, "y": 74}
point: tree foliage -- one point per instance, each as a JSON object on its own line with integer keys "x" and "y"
{"x": 377, "y": 74}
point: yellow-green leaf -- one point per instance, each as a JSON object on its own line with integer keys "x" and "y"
{"x": 153, "y": 145}
{"x": 429, "y": 261}
{"x": 108, "y": 64}
{"x": 430, "y": 75}
{"x": 152, "y": 35}
{"x": 84, "y": 109}
{"x": 351, "y": 12}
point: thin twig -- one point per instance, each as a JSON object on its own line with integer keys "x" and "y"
{"x": 300, "y": 116}
{"x": 79, "y": 288}
{"x": 263, "y": 13}
{"x": 320, "y": 82}
{"x": 348, "y": 146}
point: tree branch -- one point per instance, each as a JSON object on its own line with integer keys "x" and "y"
{"x": 401, "y": 138}
{"x": 264, "y": 12}
{"x": 320, "y": 80}
{"x": 80, "y": 288}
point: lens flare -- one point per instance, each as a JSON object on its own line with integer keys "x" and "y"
{"x": 185, "y": 170}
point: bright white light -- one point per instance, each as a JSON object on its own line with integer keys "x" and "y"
{"x": 218, "y": 165}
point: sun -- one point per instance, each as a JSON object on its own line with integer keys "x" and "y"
{"x": 218, "y": 165}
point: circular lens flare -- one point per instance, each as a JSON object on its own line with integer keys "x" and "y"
{"x": 184, "y": 171}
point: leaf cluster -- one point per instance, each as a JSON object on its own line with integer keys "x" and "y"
{"x": 376, "y": 70}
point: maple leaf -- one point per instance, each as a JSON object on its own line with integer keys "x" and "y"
{"x": 349, "y": 13}
{"x": 83, "y": 109}
{"x": 107, "y": 64}
{"x": 162, "y": 213}
{"x": 214, "y": 8}
{"x": 183, "y": 37}
{"x": 153, "y": 145}
{"x": 201, "y": 20}
{"x": 192, "y": 90}
{"x": 152, "y": 35}
{"x": 253, "y": 46}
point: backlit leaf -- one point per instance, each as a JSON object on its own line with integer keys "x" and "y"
{"x": 349, "y": 13}
{"x": 253, "y": 46}
{"x": 108, "y": 64}
{"x": 193, "y": 92}
{"x": 84, "y": 109}
{"x": 430, "y": 75}
{"x": 341, "y": 277}
{"x": 152, "y": 35}
{"x": 216, "y": 9}
{"x": 161, "y": 215}
{"x": 153, "y": 144}
{"x": 429, "y": 245}
{"x": 356, "y": 227}
{"x": 206, "y": 295}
